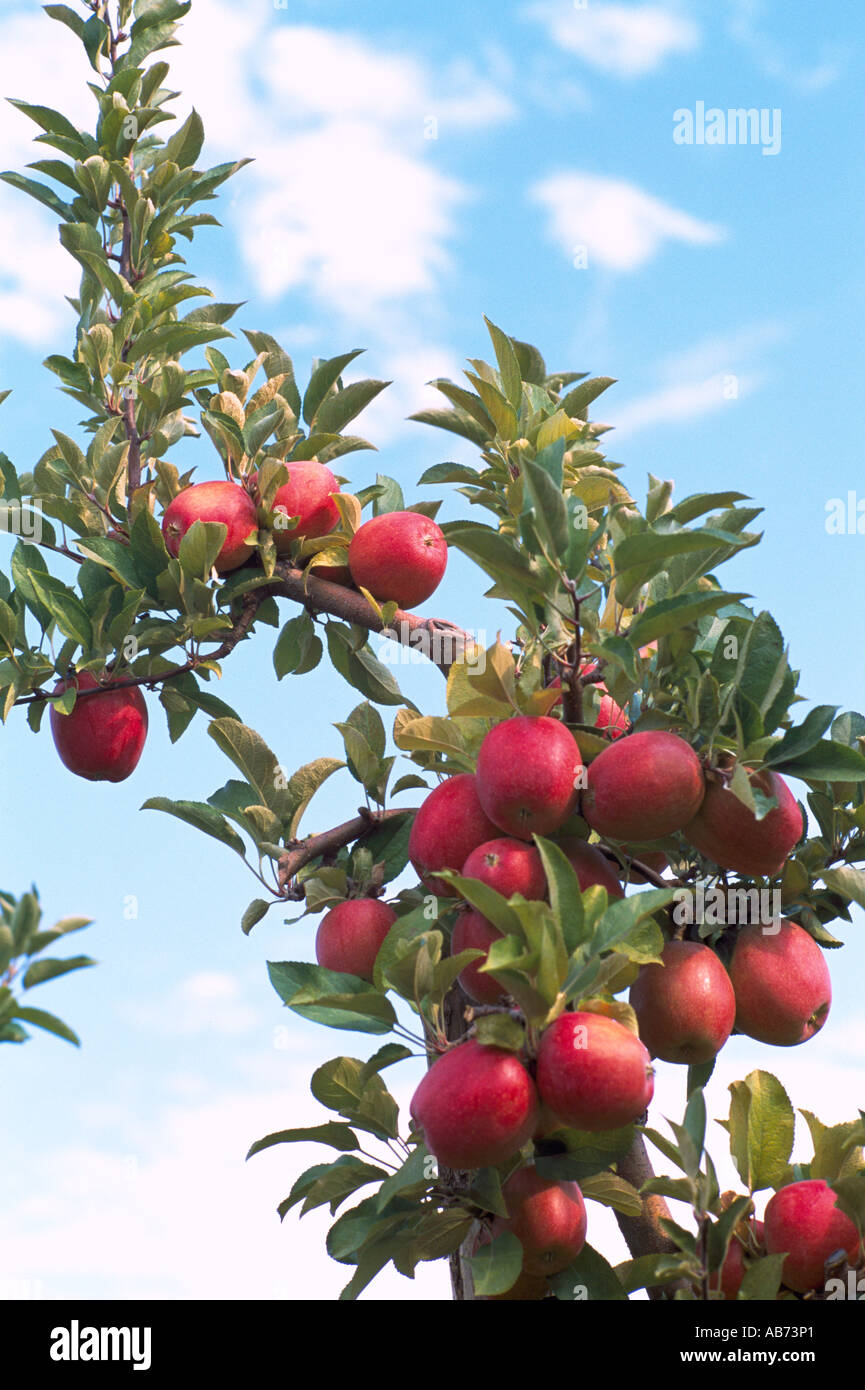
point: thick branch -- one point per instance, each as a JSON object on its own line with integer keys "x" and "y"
{"x": 643, "y": 1233}
{"x": 302, "y": 852}
{"x": 436, "y": 638}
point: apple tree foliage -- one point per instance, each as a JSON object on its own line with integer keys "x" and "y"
{"x": 580, "y": 567}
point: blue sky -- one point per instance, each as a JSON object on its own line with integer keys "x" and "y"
{"x": 721, "y": 286}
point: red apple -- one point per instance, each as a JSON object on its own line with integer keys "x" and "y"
{"x": 472, "y": 932}
{"x": 593, "y": 1072}
{"x": 686, "y": 1006}
{"x": 782, "y": 984}
{"x": 725, "y": 831}
{"x": 477, "y": 1106}
{"x": 350, "y": 936}
{"x": 449, "y": 825}
{"x": 225, "y": 502}
{"x": 611, "y": 719}
{"x": 548, "y": 1218}
{"x": 803, "y": 1222}
{"x": 509, "y": 866}
{"x": 103, "y": 738}
{"x": 591, "y": 866}
{"x": 308, "y": 496}
{"x": 526, "y": 772}
{"x": 400, "y": 556}
{"x": 643, "y": 787}
{"x": 732, "y": 1271}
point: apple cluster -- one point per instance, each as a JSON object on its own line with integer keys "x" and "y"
{"x": 396, "y": 557}
{"x": 479, "y": 1105}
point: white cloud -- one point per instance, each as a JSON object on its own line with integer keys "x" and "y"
{"x": 35, "y": 272}
{"x": 745, "y": 21}
{"x": 621, "y": 226}
{"x": 182, "y": 1215}
{"x": 703, "y": 379}
{"x": 344, "y": 200}
{"x": 625, "y": 40}
{"x": 209, "y": 1001}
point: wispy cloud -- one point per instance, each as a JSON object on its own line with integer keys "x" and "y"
{"x": 621, "y": 226}
{"x": 345, "y": 200}
{"x": 703, "y": 379}
{"x": 745, "y": 23}
{"x": 625, "y": 40}
{"x": 208, "y": 1001}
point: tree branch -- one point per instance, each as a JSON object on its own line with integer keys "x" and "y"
{"x": 301, "y": 852}
{"x": 441, "y": 641}
{"x": 644, "y": 1234}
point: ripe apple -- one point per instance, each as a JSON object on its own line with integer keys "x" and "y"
{"x": 612, "y": 719}
{"x": 731, "y": 835}
{"x": 732, "y": 1272}
{"x": 782, "y": 984}
{"x": 308, "y": 496}
{"x": 400, "y": 556}
{"x": 472, "y": 932}
{"x": 225, "y": 502}
{"x": 593, "y": 1072}
{"x": 591, "y": 866}
{"x": 643, "y": 787}
{"x": 526, "y": 773}
{"x": 803, "y": 1222}
{"x": 477, "y": 1106}
{"x": 686, "y": 1006}
{"x": 449, "y": 825}
{"x": 350, "y": 936}
{"x": 103, "y": 738}
{"x": 548, "y": 1218}
{"x": 509, "y": 866}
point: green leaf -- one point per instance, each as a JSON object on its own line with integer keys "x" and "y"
{"x": 762, "y": 1279}
{"x": 257, "y": 909}
{"x": 336, "y": 1135}
{"x": 673, "y": 614}
{"x": 576, "y": 402}
{"x": 331, "y": 998}
{"x": 497, "y": 1265}
{"x": 588, "y": 1278}
{"x": 200, "y": 546}
{"x": 185, "y": 145}
{"x": 385, "y": 1057}
{"x": 824, "y": 762}
{"x": 337, "y": 410}
{"x": 389, "y": 497}
{"x": 804, "y": 737}
{"x": 323, "y": 379}
{"x": 847, "y": 881}
{"x": 761, "y": 1126}
{"x": 566, "y": 900}
{"x": 651, "y": 1271}
{"x": 65, "y": 15}
{"x": 41, "y": 193}
{"x": 586, "y": 1153}
{"x": 342, "y": 1084}
{"x": 202, "y": 816}
{"x": 43, "y": 970}
{"x": 40, "y": 1019}
{"x": 509, "y": 366}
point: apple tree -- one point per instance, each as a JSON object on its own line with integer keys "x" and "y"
{"x": 583, "y": 862}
